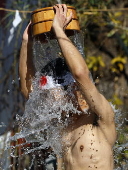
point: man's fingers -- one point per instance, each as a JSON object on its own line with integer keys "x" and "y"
{"x": 61, "y": 15}
{"x": 69, "y": 18}
{"x": 65, "y": 9}
{"x": 56, "y": 8}
{"x": 61, "y": 9}
{"x": 29, "y": 22}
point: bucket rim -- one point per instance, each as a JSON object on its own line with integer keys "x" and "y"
{"x": 49, "y": 8}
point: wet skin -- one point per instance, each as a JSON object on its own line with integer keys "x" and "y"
{"x": 84, "y": 144}
{"x": 87, "y": 145}
{"x": 87, "y": 148}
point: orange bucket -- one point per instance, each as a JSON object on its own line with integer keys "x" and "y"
{"x": 42, "y": 20}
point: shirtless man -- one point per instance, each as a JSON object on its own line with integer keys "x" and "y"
{"x": 91, "y": 136}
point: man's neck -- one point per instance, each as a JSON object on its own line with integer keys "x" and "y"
{"x": 80, "y": 120}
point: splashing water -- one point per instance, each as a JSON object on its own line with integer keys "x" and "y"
{"x": 59, "y": 1}
{"x": 48, "y": 105}
{"x": 48, "y": 109}
{"x": 42, "y": 121}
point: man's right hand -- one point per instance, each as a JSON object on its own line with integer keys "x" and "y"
{"x": 61, "y": 20}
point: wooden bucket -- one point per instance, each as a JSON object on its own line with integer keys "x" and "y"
{"x": 42, "y": 20}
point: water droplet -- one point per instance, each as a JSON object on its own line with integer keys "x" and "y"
{"x": 81, "y": 148}
{"x": 13, "y": 81}
{"x": 91, "y": 156}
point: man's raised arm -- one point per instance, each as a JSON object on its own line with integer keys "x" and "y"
{"x": 79, "y": 69}
{"x": 26, "y": 68}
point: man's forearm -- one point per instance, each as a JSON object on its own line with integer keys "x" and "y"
{"x": 26, "y": 69}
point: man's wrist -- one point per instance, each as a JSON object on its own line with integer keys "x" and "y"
{"x": 24, "y": 41}
{"x": 58, "y": 31}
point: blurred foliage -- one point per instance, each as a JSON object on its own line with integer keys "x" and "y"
{"x": 95, "y": 62}
{"x": 106, "y": 45}
{"x": 116, "y": 100}
{"x": 118, "y": 64}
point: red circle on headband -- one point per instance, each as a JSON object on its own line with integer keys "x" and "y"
{"x": 43, "y": 80}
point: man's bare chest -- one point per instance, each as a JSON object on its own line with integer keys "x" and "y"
{"x": 87, "y": 146}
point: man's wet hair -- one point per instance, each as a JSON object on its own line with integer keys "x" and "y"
{"x": 56, "y": 68}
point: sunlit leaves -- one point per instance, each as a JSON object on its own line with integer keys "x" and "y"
{"x": 112, "y": 32}
{"x": 95, "y": 62}
{"x": 116, "y": 100}
{"x": 124, "y": 37}
{"x": 118, "y": 64}
{"x": 114, "y": 17}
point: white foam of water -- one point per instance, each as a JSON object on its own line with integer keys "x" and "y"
{"x": 43, "y": 120}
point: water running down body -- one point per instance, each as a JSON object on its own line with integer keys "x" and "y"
{"x": 86, "y": 140}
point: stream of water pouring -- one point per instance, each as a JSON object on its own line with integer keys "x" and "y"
{"x": 59, "y": 1}
{"x": 42, "y": 122}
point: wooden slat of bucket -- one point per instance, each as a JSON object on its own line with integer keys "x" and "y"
{"x": 42, "y": 16}
{"x": 47, "y": 15}
{"x": 42, "y": 20}
{"x": 43, "y": 27}
{"x": 74, "y": 25}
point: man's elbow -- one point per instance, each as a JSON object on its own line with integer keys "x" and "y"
{"x": 81, "y": 73}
